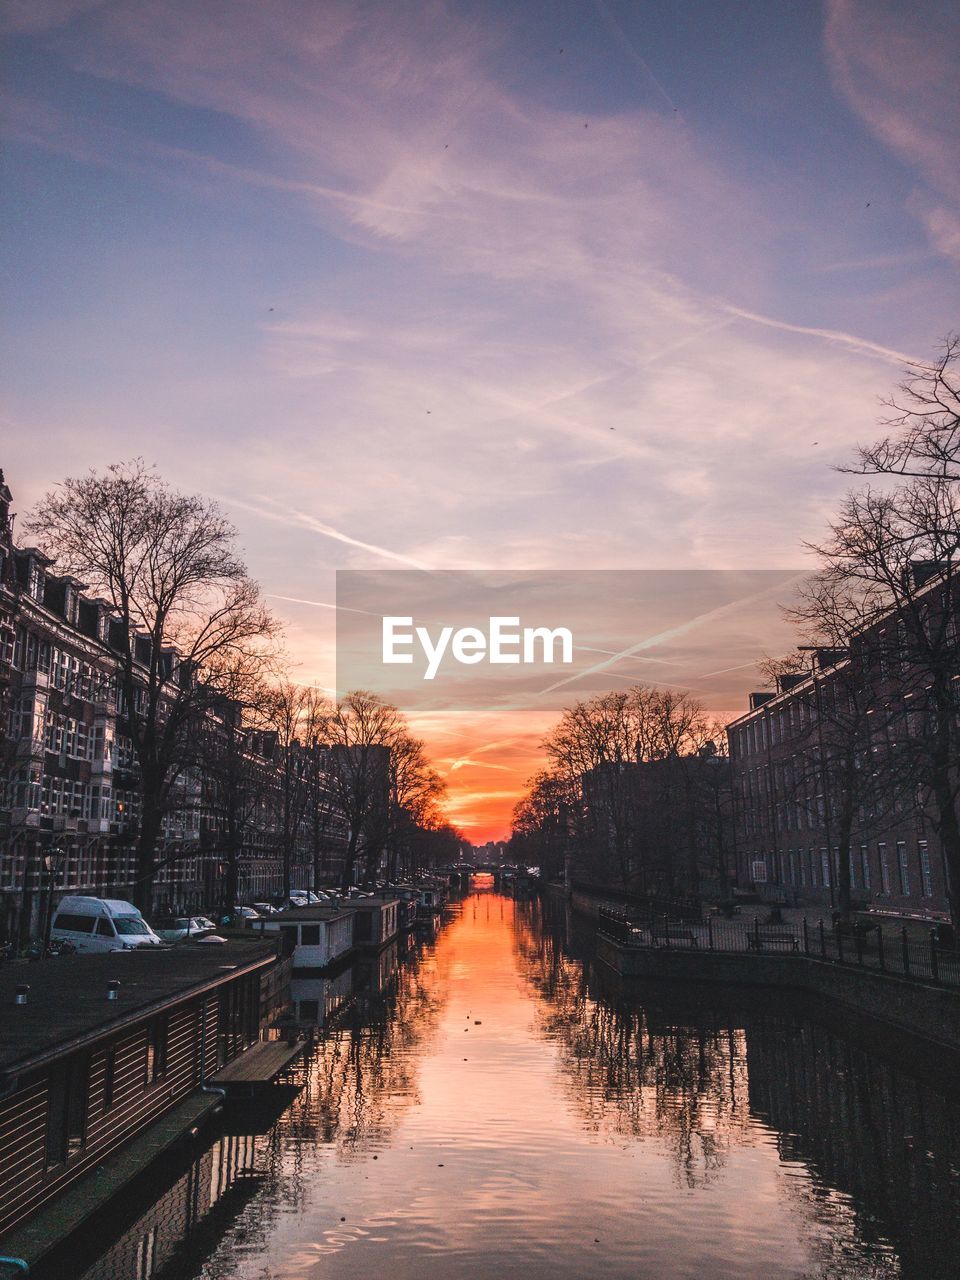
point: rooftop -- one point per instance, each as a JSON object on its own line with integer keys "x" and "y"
{"x": 67, "y": 1003}
{"x": 296, "y": 915}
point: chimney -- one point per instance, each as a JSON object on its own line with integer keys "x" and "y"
{"x": 758, "y": 699}
{"x": 113, "y": 990}
{"x": 790, "y": 679}
{"x": 921, "y": 571}
{"x": 21, "y": 993}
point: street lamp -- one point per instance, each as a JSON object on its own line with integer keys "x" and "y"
{"x": 51, "y": 862}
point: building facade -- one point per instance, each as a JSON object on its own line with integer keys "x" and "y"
{"x": 849, "y": 714}
{"x": 69, "y": 778}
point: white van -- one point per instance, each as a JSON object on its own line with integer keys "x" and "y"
{"x": 101, "y": 924}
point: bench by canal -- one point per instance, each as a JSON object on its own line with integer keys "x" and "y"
{"x": 912, "y": 985}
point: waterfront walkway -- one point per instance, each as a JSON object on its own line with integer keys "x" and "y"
{"x": 903, "y": 952}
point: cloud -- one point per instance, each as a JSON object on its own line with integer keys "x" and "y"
{"x": 897, "y": 65}
{"x": 22, "y": 17}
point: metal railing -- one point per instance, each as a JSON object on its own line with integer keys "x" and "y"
{"x": 872, "y": 947}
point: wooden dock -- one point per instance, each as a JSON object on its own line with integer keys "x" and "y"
{"x": 259, "y": 1066}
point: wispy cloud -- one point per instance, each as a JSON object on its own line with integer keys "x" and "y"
{"x": 897, "y": 67}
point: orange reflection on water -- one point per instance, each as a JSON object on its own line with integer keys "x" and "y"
{"x": 490, "y": 1113}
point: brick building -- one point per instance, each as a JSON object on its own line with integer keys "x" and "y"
{"x": 868, "y": 704}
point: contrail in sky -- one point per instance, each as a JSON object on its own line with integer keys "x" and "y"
{"x": 671, "y": 633}
{"x": 302, "y": 520}
{"x": 831, "y": 335}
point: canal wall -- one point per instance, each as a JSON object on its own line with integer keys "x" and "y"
{"x": 928, "y": 1012}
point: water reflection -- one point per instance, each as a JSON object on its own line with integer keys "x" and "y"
{"x": 630, "y": 1074}
{"x": 491, "y": 1101}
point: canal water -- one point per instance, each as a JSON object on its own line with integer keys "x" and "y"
{"x": 491, "y": 1104}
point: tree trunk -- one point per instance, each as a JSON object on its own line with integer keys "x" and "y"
{"x": 287, "y": 860}
{"x": 232, "y": 879}
{"x": 346, "y": 877}
{"x": 948, "y": 829}
{"x": 151, "y": 824}
{"x": 843, "y": 871}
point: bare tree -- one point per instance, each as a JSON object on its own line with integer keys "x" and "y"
{"x": 897, "y": 547}
{"x": 924, "y": 436}
{"x": 636, "y": 756}
{"x": 846, "y": 765}
{"x": 299, "y": 716}
{"x": 166, "y": 562}
{"x": 544, "y": 822}
{"x": 415, "y": 791}
{"x": 361, "y": 730}
{"x": 236, "y": 760}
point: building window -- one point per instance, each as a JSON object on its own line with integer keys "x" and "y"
{"x": 66, "y": 1108}
{"x": 155, "y": 1063}
{"x": 884, "y": 868}
{"x": 310, "y": 935}
{"x": 925, "y": 877}
{"x": 903, "y": 868}
{"x": 825, "y": 867}
{"x": 865, "y": 865}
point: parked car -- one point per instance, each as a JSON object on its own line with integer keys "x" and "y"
{"x": 246, "y": 913}
{"x": 264, "y": 909}
{"x": 181, "y": 928}
{"x": 206, "y": 922}
{"x": 101, "y": 924}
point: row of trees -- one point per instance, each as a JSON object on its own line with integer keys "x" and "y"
{"x": 202, "y": 680}
{"x": 637, "y": 791}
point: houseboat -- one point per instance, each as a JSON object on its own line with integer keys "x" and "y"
{"x": 429, "y": 902}
{"x": 313, "y": 1001}
{"x": 100, "y": 1051}
{"x": 314, "y": 937}
{"x": 376, "y": 920}
{"x": 409, "y": 901}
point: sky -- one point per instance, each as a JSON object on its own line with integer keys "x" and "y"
{"x": 557, "y": 285}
